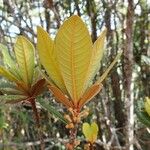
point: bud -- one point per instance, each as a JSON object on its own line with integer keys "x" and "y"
{"x": 78, "y": 119}
{"x": 71, "y": 110}
{"x": 70, "y": 126}
{"x": 67, "y": 117}
{"x": 69, "y": 146}
{"x": 84, "y": 113}
{"x": 87, "y": 146}
{"x": 76, "y": 142}
{"x": 75, "y": 119}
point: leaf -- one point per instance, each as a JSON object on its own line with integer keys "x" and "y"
{"x": 52, "y": 110}
{"x": 60, "y": 96}
{"x": 86, "y": 130}
{"x": 147, "y": 105}
{"x": 94, "y": 128}
{"x": 21, "y": 86}
{"x": 9, "y": 61}
{"x": 46, "y": 77}
{"x": 4, "y": 84}
{"x": 3, "y": 124}
{"x": 145, "y": 59}
{"x": 97, "y": 54}
{"x": 23, "y": 99}
{"x": 90, "y": 131}
{"x": 89, "y": 94}
{"x": 143, "y": 117}
{"x": 45, "y": 48}
{"x": 38, "y": 87}
{"x": 7, "y": 74}
{"x": 11, "y": 98}
{"x": 104, "y": 75}
{"x": 24, "y": 51}
{"x": 36, "y": 75}
{"x": 73, "y": 46}
{"x": 11, "y": 91}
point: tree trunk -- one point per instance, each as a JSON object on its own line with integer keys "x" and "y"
{"x": 128, "y": 69}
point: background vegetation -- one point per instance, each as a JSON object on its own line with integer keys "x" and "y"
{"x": 114, "y": 107}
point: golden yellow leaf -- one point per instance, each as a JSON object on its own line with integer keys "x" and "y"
{"x": 73, "y": 47}
{"x": 97, "y": 53}
{"x": 90, "y": 131}
{"x": 94, "y": 131}
{"x": 86, "y": 130}
{"x": 147, "y": 105}
{"x": 24, "y": 52}
{"x": 47, "y": 56}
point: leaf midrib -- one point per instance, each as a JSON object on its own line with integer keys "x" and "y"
{"x": 73, "y": 68}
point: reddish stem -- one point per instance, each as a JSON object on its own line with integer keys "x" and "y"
{"x": 33, "y": 104}
{"x": 91, "y": 146}
{"x": 37, "y": 119}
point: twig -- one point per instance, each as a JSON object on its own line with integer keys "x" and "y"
{"x": 28, "y": 144}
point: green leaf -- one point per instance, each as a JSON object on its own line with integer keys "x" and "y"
{"x": 4, "y": 84}
{"x": 24, "y": 51}
{"x": 12, "y": 91}
{"x": 3, "y": 123}
{"x": 9, "y": 62}
{"x": 142, "y": 114}
{"x": 143, "y": 117}
{"x": 11, "y": 98}
{"x": 51, "y": 110}
{"x": 147, "y": 105}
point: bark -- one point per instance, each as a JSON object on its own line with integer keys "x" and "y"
{"x": 115, "y": 79}
{"x": 49, "y": 4}
{"x": 118, "y": 104}
{"x": 92, "y": 13}
{"x": 47, "y": 18}
{"x": 128, "y": 69}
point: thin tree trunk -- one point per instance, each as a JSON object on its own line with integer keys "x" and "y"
{"x": 128, "y": 69}
{"x": 77, "y": 7}
{"x": 118, "y": 104}
{"x": 92, "y": 13}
